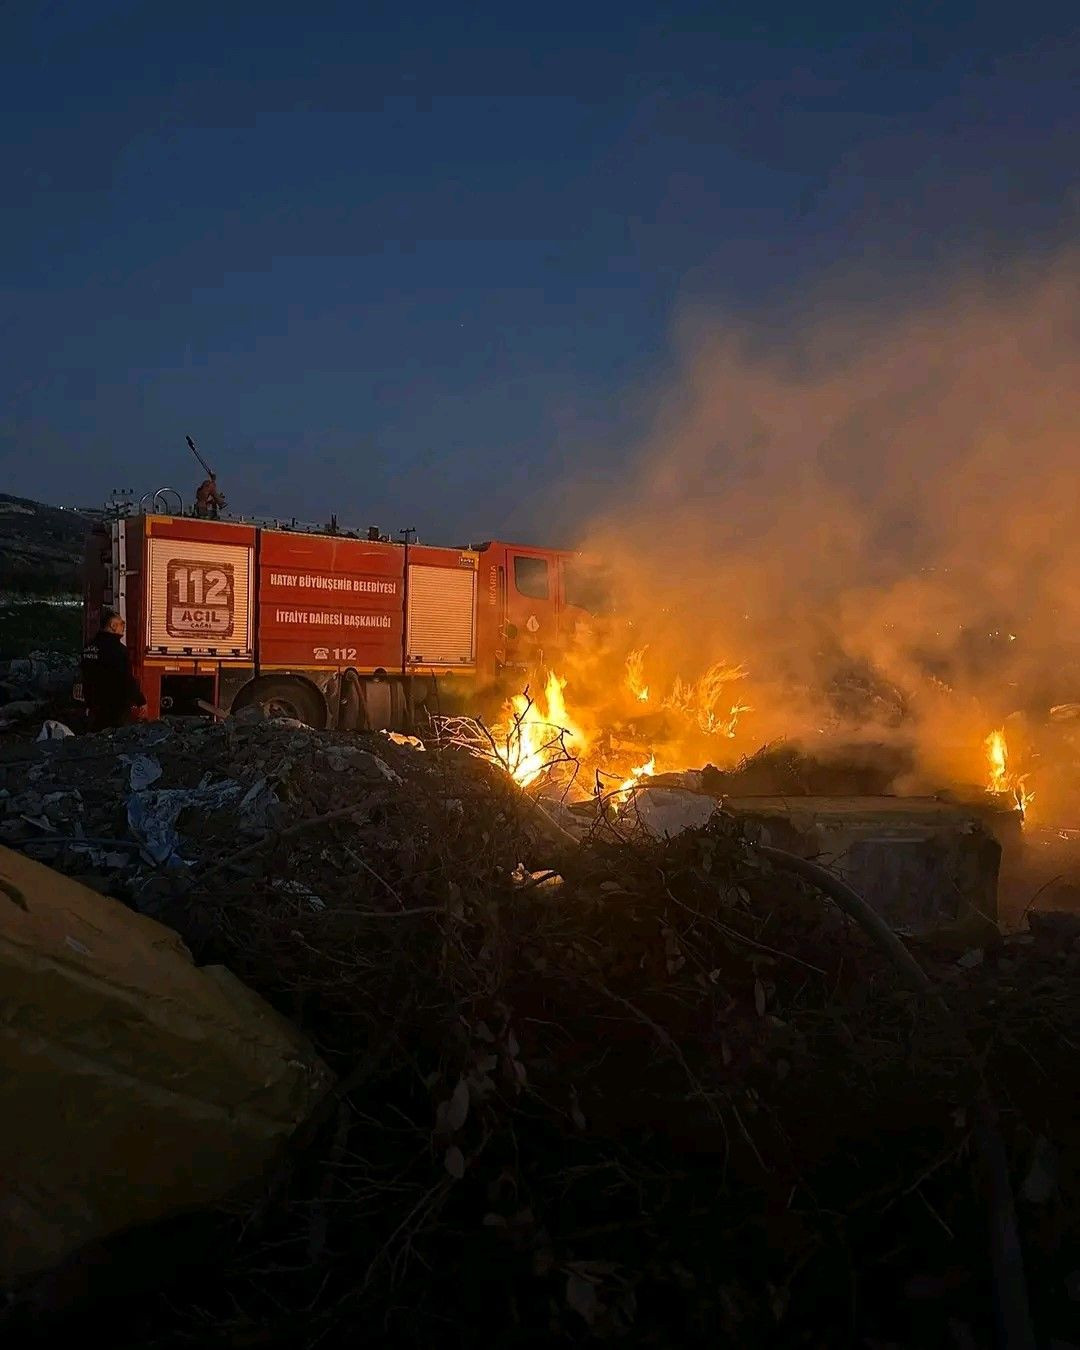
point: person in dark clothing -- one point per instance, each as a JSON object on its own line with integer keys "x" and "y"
{"x": 109, "y": 688}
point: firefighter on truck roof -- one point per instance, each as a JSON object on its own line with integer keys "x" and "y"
{"x": 110, "y": 690}
{"x": 209, "y": 498}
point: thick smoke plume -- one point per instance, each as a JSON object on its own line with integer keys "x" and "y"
{"x": 875, "y": 511}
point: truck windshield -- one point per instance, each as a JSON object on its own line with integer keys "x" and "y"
{"x": 588, "y": 587}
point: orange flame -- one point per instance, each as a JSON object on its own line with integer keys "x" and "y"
{"x": 997, "y": 754}
{"x": 708, "y": 701}
{"x": 537, "y": 733}
{"x": 999, "y": 779}
{"x": 622, "y": 793}
{"x": 635, "y": 675}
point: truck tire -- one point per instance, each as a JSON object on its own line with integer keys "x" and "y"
{"x": 281, "y": 696}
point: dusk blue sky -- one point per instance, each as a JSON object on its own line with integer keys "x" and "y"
{"x": 422, "y": 267}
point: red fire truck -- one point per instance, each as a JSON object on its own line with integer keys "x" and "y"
{"x": 327, "y": 627}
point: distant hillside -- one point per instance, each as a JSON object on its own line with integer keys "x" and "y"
{"x": 41, "y": 547}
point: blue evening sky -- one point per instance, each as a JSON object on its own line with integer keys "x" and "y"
{"x": 422, "y": 266}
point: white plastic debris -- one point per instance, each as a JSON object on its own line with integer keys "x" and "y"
{"x": 52, "y": 730}
{"x": 152, "y": 817}
{"x": 399, "y": 739}
{"x": 666, "y": 812}
{"x": 545, "y": 880}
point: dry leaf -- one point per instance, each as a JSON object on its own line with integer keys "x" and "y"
{"x": 759, "y": 998}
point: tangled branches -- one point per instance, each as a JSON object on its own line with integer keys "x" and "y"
{"x": 653, "y": 1092}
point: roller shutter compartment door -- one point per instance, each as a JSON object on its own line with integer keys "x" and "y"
{"x": 200, "y": 598}
{"x": 442, "y": 616}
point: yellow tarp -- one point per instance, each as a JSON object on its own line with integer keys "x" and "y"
{"x": 132, "y": 1084}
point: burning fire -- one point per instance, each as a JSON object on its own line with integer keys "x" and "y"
{"x": 999, "y": 779}
{"x": 709, "y": 701}
{"x": 537, "y": 734}
{"x": 622, "y": 793}
{"x": 635, "y": 675}
{"x": 997, "y": 753}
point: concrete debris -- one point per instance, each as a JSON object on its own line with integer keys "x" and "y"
{"x": 117, "y": 808}
{"x": 920, "y": 862}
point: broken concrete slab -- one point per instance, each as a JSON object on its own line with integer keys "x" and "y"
{"x": 921, "y": 862}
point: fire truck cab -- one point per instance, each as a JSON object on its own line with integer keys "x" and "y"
{"x": 331, "y": 628}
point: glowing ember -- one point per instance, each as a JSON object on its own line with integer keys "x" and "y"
{"x": 537, "y": 733}
{"x": 635, "y": 675}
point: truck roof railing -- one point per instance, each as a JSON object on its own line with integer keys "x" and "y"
{"x": 159, "y": 502}
{"x": 167, "y": 501}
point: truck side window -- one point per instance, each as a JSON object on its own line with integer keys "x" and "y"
{"x": 531, "y": 577}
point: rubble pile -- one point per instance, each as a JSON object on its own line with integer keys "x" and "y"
{"x": 785, "y": 769}
{"x": 654, "y": 1091}
{"x": 33, "y": 685}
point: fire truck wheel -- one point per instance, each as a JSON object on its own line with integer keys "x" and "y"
{"x": 282, "y": 697}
